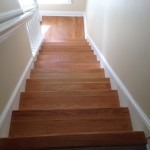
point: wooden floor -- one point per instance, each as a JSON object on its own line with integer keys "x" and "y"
{"x": 63, "y": 28}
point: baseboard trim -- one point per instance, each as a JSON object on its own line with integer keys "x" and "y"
{"x": 38, "y": 45}
{"x": 85, "y": 26}
{"x": 14, "y": 99}
{"x": 62, "y": 13}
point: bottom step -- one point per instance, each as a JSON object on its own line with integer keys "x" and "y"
{"x": 130, "y": 139}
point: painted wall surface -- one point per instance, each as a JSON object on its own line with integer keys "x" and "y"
{"x": 15, "y": 54}
{"x": 77, "y": 5}
{"x": 6, "y": 5}
{"x": 121, "y": 30}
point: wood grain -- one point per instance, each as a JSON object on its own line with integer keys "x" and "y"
{"x": 67, "y": 102}
{"x": 67, "y": 87}
{"x": 65, "y": 70}
{"x": 37, "y": 123}
{"x": 66, "y": 80}
{"x": 64, "y": 114}
{"x": 65, "y": 48}
{"x": 74, "y": 140}
{"x": 64, "y": 28}
{"x": 67, "y": 58}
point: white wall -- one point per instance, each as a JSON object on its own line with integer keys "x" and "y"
{"x": 6, "y": 5}
{"x": 15, "y": 63}
{"x": 15, "y": 54}
{"x": 77, "y": 5}
{"x": 9, "y": 10}
{"x": 121, "y": 30}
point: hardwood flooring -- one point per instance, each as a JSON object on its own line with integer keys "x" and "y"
{"x": 64, "y": 28}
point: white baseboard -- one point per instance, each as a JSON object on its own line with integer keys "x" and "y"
{"x": 85, "y": 26}
{"x": 37, "y": 46}
{"x": 140, "y": 121}
{"x": 62, "y": 13}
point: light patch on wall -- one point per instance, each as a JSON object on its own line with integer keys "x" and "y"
{"x": 54, "y": 1}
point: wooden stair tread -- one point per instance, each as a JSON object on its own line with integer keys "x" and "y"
{"x": 67, "y": 47}
{"x": 65, "y": 114}
{"x": 70, "y": 93}
{"x": 74, "y": 71}
{"x": 71, "y": 54}
{"x": 67, "y": 86}
{"x": 92, "y": 73}
{"x": 67, "y": 43}
{"x": 95, "y": 73}
{"x": 67, "y": 102}
{"x": 55, "y": 49}
{"x": 73, "y": 140}
{"x": 69, "y": 67}
{"x": 71, "y": 59}
{"x": 47, "y": 127}
{"x": 68, "y": 53}
{"x": 36, "y": 123}
{"x": 70, "y": 40}
{"x": 57, "y": 60}
{"x": 75, "y": 43}
{"x": 95, "y": 80}
{"x": 45, "y": 64}
{"x": 64, "y": 76}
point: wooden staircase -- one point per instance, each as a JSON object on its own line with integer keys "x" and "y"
{"x": 69, "y": 103}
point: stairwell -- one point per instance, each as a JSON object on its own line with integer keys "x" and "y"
{"x": 69, "y": 103}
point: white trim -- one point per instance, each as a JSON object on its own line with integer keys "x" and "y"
{"x": 9, "y": 15}
{"x": 62, "y": 13}
{"x": 13, "y": 101}
{"x": 85, "y": 26}
{"x": 9, "y": 27}
{"x": 37, "y": 46}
